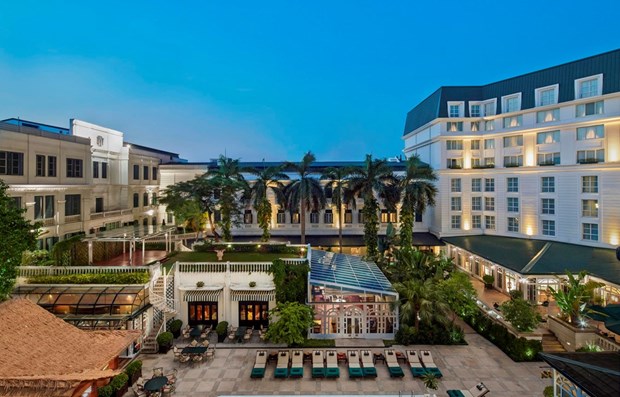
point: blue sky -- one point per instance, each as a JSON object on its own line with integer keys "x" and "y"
{"x": 274, "y": 79}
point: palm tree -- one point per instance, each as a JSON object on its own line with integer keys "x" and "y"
{"x": 573, "y": 298}
{"x": 421, "y": 301}
{"x": 337, "y": 181}
{"x": 266, "y": 178}
{"x": 373, "y": 180}
{"x": 418, "y": 192}
{"x": 304, "y": 194}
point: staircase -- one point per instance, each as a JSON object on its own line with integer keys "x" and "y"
{"x": 164, "y": 309}
{"x": 550, "y": 344}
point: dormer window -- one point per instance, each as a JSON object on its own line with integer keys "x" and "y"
{"x": 482, "y": 108}
{"x": 455, "y": 109}
{"x": 547, "y": 95}
{"x": 589, "y": 86}
{"x": 511, "y": 103}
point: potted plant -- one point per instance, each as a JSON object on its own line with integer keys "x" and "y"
{"x": 119, "y": 385}
{"x": 200, "y": 284}
{"x": 573, "y": 299}
{"x": 105, "y": 391}
{"x": 221, "y": 329}
{"x": 252, "y": 284}
{"x": 488, "y": 281}
{"x": 430, "y": 381}
{"x": 175, "y": 327}
{"x": 134, "y": 371}
{"x": 164, "y": 340}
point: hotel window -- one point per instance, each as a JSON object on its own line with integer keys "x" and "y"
{"x": 548, "y": 184}
{"x": 513, "y": 141}
{"x": 548, "y": 206}
{"x": 145, "y": 172}
{"x": 40, "y": 165}
{"x": 589, "y": 184}
{"x": 104, "y": 170}
{"x": 454, "y": 145}
{"x": 589, "y": 109}
{"x": 314, "y": 217}
{"x": 513, "y": 161}
{"x": 548, "y": 158}
{"x": 548, "y": 137}
{"x": 489, "y": 184}
{"x": 145, "y": 199}
{"x": 98, "y": 205}
{"x": 489, "y": 144}
{"x": 512, "y": 204}
{"x": 511, "y": 103}
{"x": 489, "y": 162}
{"x": 476, "y": 185}
{"x": 589, "y": 208}
{"x": 592, "y": 132}
{"x": 455, "y": 222}
{"x": 548, "y": 227}
{"x": 453, "y": 126}
{"x": 476, "y": 203}
{"x": 590, "y": 156}
{"x": 590, "y": 231}
{"x": 136, "y": 200}
{"x": 512, "y": 185}
{"x": 455, "y": 163}
{"x": 589, "y": 86}
{"x": 455, "y": 109}
{"x": 547, "y": 95}
{"x": 329, "y": 191}
{"x": 17, "y": 202}
{"x": 154, "y": 176}
{"x": 73, "y": 204}
{"x": 328, "y": 217}
{"x": 136, "y": 172}
{"x": 387, "y": 216}
{"x": 513, "y": 224}
{"x": 489, "y": 125}
{"x": 360, "y": 216}
{"x": 281, "y": 217}
{"x": 455, "y": 203}
{"x": 476, "y": 163}
{"x": 295, "y": 218}
{"x": 474, "y": 110}
{"x": 74, "y": 168}
{"x": 489, "y": 222}
{"x": 475, "y": 126}
{"x": 43, "y": 207}
{"x": 489, "y": 203}
{"x": 455, "y": 185}
{"x": 51, "y": 166}
{"x": 513, "y": 121}
{"x": 475, "y": 144}
{"x": 11, "y": 163}
{"x": 348, "y": 216}
{"x": 476, "y": 221}
{"x": 489, "y": 108}
{"x": 95, "y": 169}
{"x": 547, "y": 116}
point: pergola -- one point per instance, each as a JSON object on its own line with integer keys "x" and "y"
{"x": 131, "y": 235}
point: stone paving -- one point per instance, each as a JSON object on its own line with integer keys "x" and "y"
{"x": 462, "y": 367}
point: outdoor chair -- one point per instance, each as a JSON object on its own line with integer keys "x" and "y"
{"x": 177, "y": 353}
{"x": 297, "y": 364}
{"x": 210, "y": 353}
{"x": 197, "y": 358}
{"x": 231, "y": 337}
{"x": 392, "y": 363}
{"x": 258, "y": 371}
{"x": 184, "y": 358}
{"x": 159, "y": 371}
{"x": 282, "y": 365}
{"x": 205, "y": 343}
{"x": 368, "y": 364}
{"x": 429, "y": 364}
{"x": 318, "y": 364}
{"x": 417, "y": 370}
{"x": 172, "y": 376}
{"x": 140, "y": 382}
{"x": 194, "y": 343}
{"x": 477, "y": 391}
{"x": 137, "y": 391}
{"x": 168, "y": 390}
{"x": 355, "y": 370}
{"x": 331, "y": 359}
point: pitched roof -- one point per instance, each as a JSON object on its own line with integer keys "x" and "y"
{"x": 39, "y": 349}
{"x": 598, "y": 374}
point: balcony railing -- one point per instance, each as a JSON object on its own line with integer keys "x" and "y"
{"x": 481, "y": 166}
{"x": 33, "y": 271}
{"x": 73, "y": 218}
{"x": 108, "y": 214}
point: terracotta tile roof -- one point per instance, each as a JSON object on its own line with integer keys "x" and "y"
{"x": 39, "y": 348}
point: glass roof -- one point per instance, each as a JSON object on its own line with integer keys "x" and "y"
{"x": 348, "y": 272}
{"x": 130, "y": 233}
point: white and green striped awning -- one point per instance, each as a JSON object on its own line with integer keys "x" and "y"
{"x": 253, "y": 295}
{"x": 202, "y": 295}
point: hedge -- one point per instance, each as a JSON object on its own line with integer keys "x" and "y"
{"x": 263, "y": 248}
{"x": 434, "y": 334}
{"x": 317, "y": 343}
{"x": 99, "y": 278}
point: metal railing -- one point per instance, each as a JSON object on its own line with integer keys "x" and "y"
{"x": 107, "y": 214}
{"x": 32, "y": 271}
{"x": 73, "y": 218}
{"x": 606, "y": 343}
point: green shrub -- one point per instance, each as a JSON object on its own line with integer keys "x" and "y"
{"x": 105, "y": 391}
{"x": 590, "y": 348}
{"x": 316, "y": 343}
{"x": 433, "y": 334}
{"x": 200, "y": 284}
{"x": 165, "y": 339}
{"x": 133, "y": 367}
{"x": 264, "y": 248}
{"x": 119, "y": 381}
{"x": 488, "y": 279}
{"x": 548, "y": 391}
{"x": 521, "y": 314}
{"x": 99, "y": 278}
{"x": 175, "y": 325}
{"x": 516, "y": 294}
{"x": 36, "y": 258}
{"x": 222, "y": 328}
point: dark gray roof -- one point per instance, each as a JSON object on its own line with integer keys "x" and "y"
{"x": 565, "y": 75}
{"x": 419, "y": 239}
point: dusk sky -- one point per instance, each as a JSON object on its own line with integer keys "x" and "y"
{"x": 274, "y": 79}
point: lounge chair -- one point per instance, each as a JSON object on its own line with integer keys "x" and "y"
{"x": 477, "y": 391}
{"x": 368, "y": 363}
{"x": 318, "y": 364}
{"x": 258, "y": 371}
{"x": 297, "y": 364}
{"x": 355, "y": 370}
{"x": 417, "y": 370}
{"x": 331, "y": 359}
{"x": 282, "y": 365}
{"x": 392, "y": 363}
{"x": 429, "y": 364}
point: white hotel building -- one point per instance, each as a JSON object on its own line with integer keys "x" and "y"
{"x": 529, "y": 173}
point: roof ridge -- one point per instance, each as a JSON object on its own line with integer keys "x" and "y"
{"x": 536, "y": 258}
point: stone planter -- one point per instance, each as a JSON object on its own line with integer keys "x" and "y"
{"x": 571, "y": 337}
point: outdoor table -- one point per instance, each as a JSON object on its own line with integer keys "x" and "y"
{"x": 156, "y": 384}
{"x": 379, "y": 357}
{"x": 194, "y": 350}
{"x": 195, "y": 332}
{"x": 240, "y": 333}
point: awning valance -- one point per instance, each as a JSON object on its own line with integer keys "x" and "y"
{"x": 253, "y": 295}
{"x": 202, "y": 295}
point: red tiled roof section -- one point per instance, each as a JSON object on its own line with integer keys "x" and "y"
{"x": 38, "y": 345}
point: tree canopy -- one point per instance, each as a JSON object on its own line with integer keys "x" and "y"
{"x": 290, "y": 322}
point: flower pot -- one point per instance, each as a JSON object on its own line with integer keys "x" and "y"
{"x": 220, "y": 338}
{"x": 163, "y": 349}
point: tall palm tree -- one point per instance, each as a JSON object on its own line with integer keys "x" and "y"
{"x": 265, "y": 179}
{"x": 304, "y": 194}
{"x": 337, "y": 181}
{"x": 374, "y": 179}
{"x": 420, "y": 301}
{"x": 417, "y": 192}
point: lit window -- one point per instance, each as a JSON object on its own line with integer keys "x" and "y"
{"x": 547, "y": 116}
{"x": 548, "y": 158}
{"x": 455, "y": 163}
{"x": 489, "y": 222}
{"x": 454, "y": 126}
{"x": 513, "y": 141}
{"x": 489, "y": 203}
{"x": 489, "y": 125}
{"x": 548, "y": 137}
{"x": 454, "y": 145}
{"x": 513, "y": 121}
{"x": 475, "y": 126}
{"x": 513, "y": 161}
{"x": 589, "y": 208}
{"x": 591, "y": 132}
{"x": 590, "y": 156}
{"x": 589, "y": 184}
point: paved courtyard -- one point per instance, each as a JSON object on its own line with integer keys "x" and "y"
{"x": 462, "y": 367}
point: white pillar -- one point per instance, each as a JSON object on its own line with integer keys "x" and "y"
{"x": 90, "y": 252}
{"x": 143, "y": 245}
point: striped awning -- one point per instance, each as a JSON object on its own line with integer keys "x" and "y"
{"x": 253, "y": 295}
{"x": 202, "y": 295}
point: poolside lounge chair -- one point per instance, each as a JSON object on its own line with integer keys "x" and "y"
{"x": 477, "y": 391}
{"x": 417, "y": 370}
{"x": 355, "y": 370}
{"x": 392, "y": 363}
{"x": 282, "y": 365}
{"x": 297, "y": 364}
{"x": 331, "y": 358}
{"x": 369, "y": 365}
{"x": 318, "y": 364}
{"x": 429, "y": 364}
{"x": 258, "y": 371}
